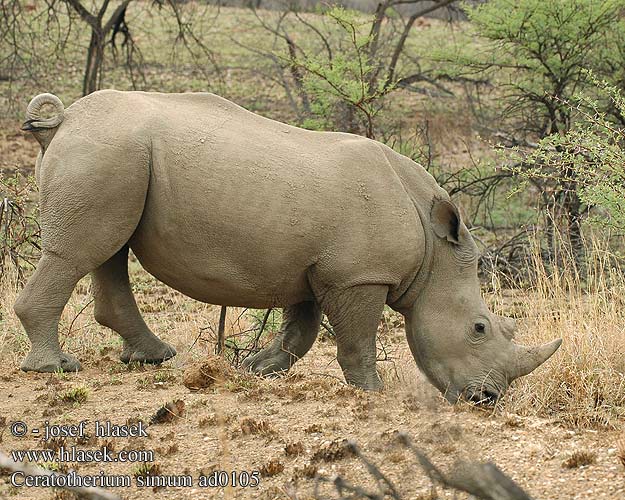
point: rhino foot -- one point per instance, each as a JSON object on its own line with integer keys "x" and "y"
{"x": 268, "y": 363}
{"x": 365, "y": 378}
{"x": 153, "y": 356}
{"x": 50, "y": 363}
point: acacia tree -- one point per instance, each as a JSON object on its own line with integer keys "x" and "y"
{"x": 539, "y": 53}
{"x": 593, "y": 150}
{"x": 355, "y": 60}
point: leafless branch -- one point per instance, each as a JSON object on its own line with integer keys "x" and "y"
{"x": 483, "y": 480}
{"x": 399, "y": 48}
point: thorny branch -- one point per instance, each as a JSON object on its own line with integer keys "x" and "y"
{"x": 19, "y": 231}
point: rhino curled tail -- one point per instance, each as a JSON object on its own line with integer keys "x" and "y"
{"x": 43, "y": 128}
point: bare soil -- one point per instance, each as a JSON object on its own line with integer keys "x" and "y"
{"x": 246, "y": 424}
{"x": 17, "y": 149}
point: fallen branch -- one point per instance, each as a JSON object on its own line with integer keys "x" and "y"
{"x": 482, "y": 480}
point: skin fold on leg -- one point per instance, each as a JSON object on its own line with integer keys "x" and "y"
{"x": 355, "y": 313}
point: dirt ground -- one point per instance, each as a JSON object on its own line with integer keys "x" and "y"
{"x": 16, "y": 148}
{"x": 246, "y": 424}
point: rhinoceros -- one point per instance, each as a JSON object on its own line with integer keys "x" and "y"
{"x": 232, "y": 208}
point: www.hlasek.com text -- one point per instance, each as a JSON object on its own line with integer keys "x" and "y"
{"x": 74, "y": 454}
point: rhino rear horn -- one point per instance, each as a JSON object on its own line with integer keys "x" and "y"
{"x": 530, "y": 358}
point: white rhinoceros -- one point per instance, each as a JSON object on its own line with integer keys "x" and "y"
{"x": 232, "y": 208}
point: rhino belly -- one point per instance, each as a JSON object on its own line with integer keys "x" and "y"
{"x": 214, "y": 278}
{"x": 218, "y": 254}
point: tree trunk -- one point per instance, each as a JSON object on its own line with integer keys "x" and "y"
{"x": 95, "y": 60}
{"x": 347, "y": 120}
{"x": 574, "y": 227}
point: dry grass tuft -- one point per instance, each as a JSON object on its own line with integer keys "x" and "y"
{"x": 169, "y": 412}
{"x": 332, "y": 451}
{"x": 580, "y": 458}
{"x": 294, "y": 449}
{"x": 253, "y": 426}
{"x": 271, "y": 468}
{"x": 583, "y": 384}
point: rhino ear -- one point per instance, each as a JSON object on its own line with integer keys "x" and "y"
{"x": 446, "y": 221}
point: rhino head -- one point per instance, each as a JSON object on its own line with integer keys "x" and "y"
{"x": 465, "y": 350}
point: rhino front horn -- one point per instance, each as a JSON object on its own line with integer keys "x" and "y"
{"x": 530, "y": 358}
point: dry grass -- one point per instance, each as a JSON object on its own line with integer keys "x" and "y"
{"x": 580, "y": 458}
{"x": 187, "y": 324}
{"x": 14, "y": 344}
{"x": 583, "y": 384}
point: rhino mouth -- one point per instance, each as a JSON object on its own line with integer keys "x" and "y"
{"x": 482, "y": 396}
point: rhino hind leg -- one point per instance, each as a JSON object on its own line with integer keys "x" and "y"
{"x": 300, "y": 325}
{"x": 92, "y": 195}
{"x": 116, "y": 308}
{"x": 39, "y": 307}
{"x": 355, "y": 313}
{"x": 41, "y": 302}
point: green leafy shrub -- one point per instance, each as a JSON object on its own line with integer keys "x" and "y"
{"x": 541, "y": 55}
{"x": 542, "y": 51}
{"x": 592, "y": 156}
{"x": 342, "y": 84}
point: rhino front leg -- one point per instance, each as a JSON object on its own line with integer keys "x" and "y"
{"x": 115, "y": 308}
{"x": 300, "y": 325}
{"x": 39, "y": 307}
{"x": 355, "y": 313}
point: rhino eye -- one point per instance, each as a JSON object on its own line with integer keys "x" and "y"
{"x": 480, "y": 327}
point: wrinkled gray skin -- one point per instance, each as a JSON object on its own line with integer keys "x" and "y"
{"x": 232, "y": 208}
